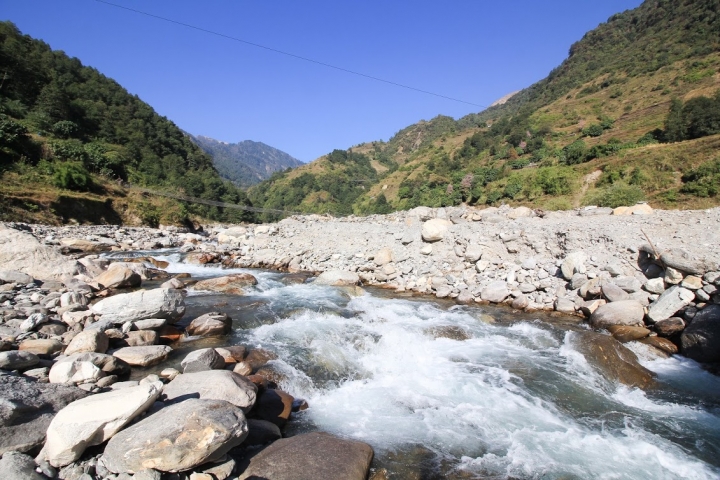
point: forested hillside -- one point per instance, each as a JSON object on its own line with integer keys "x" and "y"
{"x": 245, "y": 163}
{"x": 69, "y": 132}
{"x": 632, "y": 114}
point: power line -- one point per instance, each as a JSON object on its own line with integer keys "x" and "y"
{"x": 281, "y": 52}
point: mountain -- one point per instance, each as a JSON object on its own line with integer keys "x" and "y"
{"x": 245, "y": 163}
{"x": 601, "y": 128}
{"x": 71, "y": 138}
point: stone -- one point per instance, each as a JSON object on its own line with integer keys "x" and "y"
{"x": 520, "y": 212}
{"x": 701, "y": 338}
{"x": 228, "y": 284}
{"x": 274, "y": 406}
{"x": 261, "y": 432}
{"x": 177, "y": 438}
{"x": 12, "y": 276}
{"x": 84, "y": 367}
{"x": 311, "y": 456}
{"x": 27, "y": 409}
{"x": 640, "y": 209}
{"x": 669, "y": 326}
{"x": 150, "y": 324}
{"x": 118, "y": 276}
{"x": 672, "y": 276}
{"x": 18, "y": 466}
{"x": 213, "y": 323}
{"x": 79, "y": 245}
{"x": 625, "y": 312}
{"x": 611, "y": 359}
{"x": 93, "y": 420}
{"x": 426, "y": 250}
{"x": 564, "y": 305}
{"x": 626, "y": 333}
{"x": 212, "y": 385}
{"x": 661, "y": 343}
{"x": 220, "y": 470}
{"x": 143, "y": 356}
{"x": 473, "y": 253}
{"x": 573, "y": 263}
{"x": 383, "y": 257}
{"x": 337, "y": 278}
{"x": 33, "y": 321}
{"x": 143, "y": 304}
{"x": 88, "y": 341}
{"x": 138, "y": 338}
{"x": 613, "y": 293}
{"x": 242, "y": 368}
{"x": 22, "y": 252}
{"x": 41, "y": 346}
{"x": 18, "y": 360}
{"x": 578, "y": 280}
{"x": 628, "y": 284}
{"x": 655, "y": 285}
{"x": 173, "y": 283}
{"x": 495, "y": 292}
{"x": 681, "y": 260}
{"x": 589, "y": 307}
{"x": 434, "y": 230}
{"x": 202, "y": 360}
{"x": 691, "y": 282}
{"x": 669, "y": 303}
{"x": 591, "y": 289}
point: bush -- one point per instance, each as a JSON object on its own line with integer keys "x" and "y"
{"x": 616, "y": 195}
{"x": 594, "y": 130}
{"x": 71, "y": 176}
{"x": 703, "y": 181}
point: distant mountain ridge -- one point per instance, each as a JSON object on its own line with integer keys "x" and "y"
{"x": 245, "y": 163}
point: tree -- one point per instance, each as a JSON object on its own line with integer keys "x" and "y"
{"x": 675, "y": 130}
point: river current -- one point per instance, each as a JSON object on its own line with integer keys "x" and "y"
{"x": 446, "y": 391}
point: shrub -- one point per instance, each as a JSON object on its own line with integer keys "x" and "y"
{"x": 71, "y": 176}
{"x": 616, "y": 195}
{"x": 594, "y": 130}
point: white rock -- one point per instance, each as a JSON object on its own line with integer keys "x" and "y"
{"x": 434, "y": 230}
{"x": 157, "y": 303}
{"x": 337, "y": 278}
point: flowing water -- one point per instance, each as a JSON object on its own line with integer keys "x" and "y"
{"x": 443, "y": 391}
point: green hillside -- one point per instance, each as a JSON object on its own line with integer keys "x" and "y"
{"x": 632, "y": 114}
{"x": 69, "y": 137}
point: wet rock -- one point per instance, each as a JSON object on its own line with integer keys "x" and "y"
{"x": 202, "y": 360}
{"x": 701, "y": 338}
{"x": 625, "y": 333}
{"x": 93, "y": 420}
{"x": 337, "y": 278}
{"x": 614, "y": 361}
{"x": 27, "y": 410}
{"x": 143, "y": 356}
{"x": 173, "y": 283}
{"x": 274, "y": 406}
{"x": 177, "y": 438}
{"x": 118, "y": 276}
{"x": 434, "y": 230}
{"x": 18, "y": 466}
{"x": 661, "y": 343}
{"x": 212, "y": 385}
{"x": 88, "y": 341}
{"x": 669, "y": 303}
{"x": 452, "y": 332}
{"x": 669, "y": 326}
{"x": 310, "y": 457}
{"x": 625, "y": 312}
{"x": 229, "y": 284}
{"x": 213, "y": 323}
{"x": 129, "y": 307}
{"x": 18, "y": 360}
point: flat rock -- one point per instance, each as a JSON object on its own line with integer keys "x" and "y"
{"x": 143, "y": 356}
{"x": 118, "y": 276}
{"x": 129, "y": 307}
{"x": 669, "y": 303}
{"x": 669, "y": 326}
{"x": 22, "y": 252}
{"x": 311, "y": 456}
{"x": 229, "y": 284}
{"x": 213, "y": 323}
{"x": 625, "y": 312}
{"x": 83, "y": 367}
{"x": 212, "y": 385}
{"x": 681, "y": 260}
{"x": 661, "y": 343}
{"x": 701, "y": 338}
{"x": 628, "y": 284}
{"x": 41, "y": 346}
{"x": 625, "y": 333}
{"x": 613, "y": 293}
{"x": 93, "y": 420}
{"x": 337, "y": 278}
{"x": 202, "y": 360}
{"x": 178, "y": 437}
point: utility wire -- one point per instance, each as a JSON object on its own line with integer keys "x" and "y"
{"x": 281, "y": 52}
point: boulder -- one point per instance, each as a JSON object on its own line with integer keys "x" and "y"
{"x": 261, "y": 432}
{"x": 22, "y": 252}
{"x": 681, "y": 260}
{"x": 88, "y": 341}
{"x": 212, "y": 385}
{"x": 18, "y": 466}
{"x": 670, "y": 302}
{"x": 213, "y": 323}
{"x": 661, "y": 343}
{"x": 93, "y": 420}
{"x": 495, "y": 292}
{"x": 129, "y": 307}
{"x": 613, "y": 293}
{"x": 625, "y": 333}
{"x": 41, "y": 346}
{"x": 177, "y": 438}
{"x": 434, "y": 230}
{"x": 145, "y": 356}
{"x": 118, "y": 276}
{"x": 383, "y": 257}
{"x": 229, "y": 284}
{"x": 615, "y": 362}
{"x": 274, "y": 406}
{"x": 33, "y": 321}
{"x": 12, "y": 276}
{"x": 669, "y": 326}
{"x": 138, "y": 338}
{"x": 310, "y": 457}
{"x": 27, "y": 409}
{"x": 628, "y": 284}
{"x": 202, "y": 360}
{"x": 625, "y": 312}
{"x": 150, "y": 324}
{"x": 573, "y": 263}
{"x": 339, "y": 278}
{"x": 655, "y": 285}
{"x": 18, "y": 360}
{"x": 80, "y": 245}
{"x": 701, "y": 338}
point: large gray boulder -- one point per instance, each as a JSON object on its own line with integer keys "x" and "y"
{"x": 89, "y": 366}
{"x": 177, "y": 438}
{"x": 672, "y": 300}
{"x": 573, "y": 263}
{"x": 213, "y": 385}
{"x": 95, "y": 419}
{"x": 624, "y": 312}
{"x": 701, "y": 339}
{"x": 129, "y": 307}
{"x": 18, "y": 466}
{"x": 495, "y": 292}
{"x": 339, "y": 278}
{"x": 202, "y": 360}
{"x": 22, "y": 252}
{"x": 26, "y": 409}
{"x": 311, "y": 456}
{"x": 18, "y": 360}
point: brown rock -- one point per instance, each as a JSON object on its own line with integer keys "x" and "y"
{"x": 41, "y": 347}
{"x": 661, "y": 343}
{"x": 88, "y": 341}
{"x": 242, "y": 368}
{"x": 624, "y": 333}
{"x": 669, "y": 326}
{"x": 259, "y": 381}
{"x": 139, "y": 338}
{"x": 258, "y": 357}
{"x": 274, "y": 406}
{"x": 118, "y": 276}
{"x": 230, "y": 284}
{"x": 169, "y": 334}
{"x": 213, "y": 323}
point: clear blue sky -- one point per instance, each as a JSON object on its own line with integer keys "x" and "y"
{"x": 474, "y": 50}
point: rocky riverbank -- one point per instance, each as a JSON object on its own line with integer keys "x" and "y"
{"x": 70, "y": 335}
